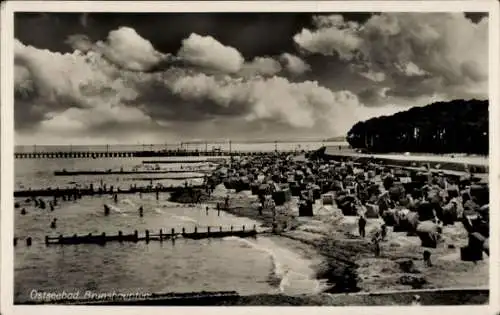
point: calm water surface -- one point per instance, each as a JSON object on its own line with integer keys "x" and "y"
{"x": 245, "y": 265}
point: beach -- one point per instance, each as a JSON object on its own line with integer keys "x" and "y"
{"x": 314, "y": 257}
{"x": 323, "y": 238}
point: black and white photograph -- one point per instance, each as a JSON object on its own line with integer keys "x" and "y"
{"x": 251, "y": 158}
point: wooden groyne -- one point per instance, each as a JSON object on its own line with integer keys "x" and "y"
{"x": 148, "y": 179}
{"x": 110, "y": 172}
{"x": 68, "y": 192}
{"x": 103, "y": 238}
{"x": 183, "y": 161}
{"x": 133, "y": 154}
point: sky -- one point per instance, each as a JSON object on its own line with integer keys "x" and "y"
{"x": 111, "y": 78}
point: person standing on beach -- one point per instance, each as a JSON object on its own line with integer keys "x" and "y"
{"x": 361, "y": 226}
{"x": 427, "y": 258}
{"x": 416, "y": 300}
{"x": 383, "y": 231}
{"x": 376, "y": 243}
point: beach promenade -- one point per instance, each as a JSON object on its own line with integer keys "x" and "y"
{"x": 452, "y": 164}
{"x": 457, "y": 158}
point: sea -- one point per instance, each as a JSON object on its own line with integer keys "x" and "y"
{"x": 248, "y": 266}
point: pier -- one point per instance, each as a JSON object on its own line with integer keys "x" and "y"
{"x": 103, "y": 238}
{"x": 133, "y": 154}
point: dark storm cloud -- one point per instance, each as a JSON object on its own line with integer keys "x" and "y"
{"x": 253, "y": 34}
{"x": 208, "y": 75}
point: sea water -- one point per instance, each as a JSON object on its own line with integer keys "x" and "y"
{"x": 254, "y": 265}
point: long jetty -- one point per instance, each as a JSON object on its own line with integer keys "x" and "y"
{"x": 148, "y": 236}
{"x": 133, "y": 154}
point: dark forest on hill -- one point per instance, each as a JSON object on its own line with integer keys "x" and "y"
{"x": 457, "y": 126}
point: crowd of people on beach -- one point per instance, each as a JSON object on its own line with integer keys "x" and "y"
{"x": 418, "y": 201}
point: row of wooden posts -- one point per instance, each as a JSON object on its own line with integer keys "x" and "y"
{"x": 140, "y": 154}
{"x": 120, "y": 237}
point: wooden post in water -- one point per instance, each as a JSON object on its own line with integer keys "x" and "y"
{"x": 136, "y": 236}
{"x": 231, "y": 228}
{"x": 220, "y": 228}
{"x": 147, "y": 236}
{"x": 208, "y": 231}
{"x": 120, "y": 236}
{"x": 243, "y": 228}
{"x": 60, "y": 239}
{"x": 173, "y": 232}
{"x": 103, "y": 238}
{"x": 183, "y": 231}
{"x": 195, "y": 230}
{"x": 161, "y": 235}
{"x": 46, "y": 240}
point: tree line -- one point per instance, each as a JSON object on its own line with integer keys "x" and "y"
{"x": 459, "y": 126}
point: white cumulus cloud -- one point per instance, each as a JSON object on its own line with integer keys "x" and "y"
{"x": 206, "y": 51}
{"x": 294, "y": 64}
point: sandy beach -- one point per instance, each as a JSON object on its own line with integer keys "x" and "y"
{"x": 332, "y": 239}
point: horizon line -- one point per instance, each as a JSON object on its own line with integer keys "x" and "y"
{"x": 193, "y": 142}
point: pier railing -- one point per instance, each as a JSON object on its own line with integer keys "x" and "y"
{"x": 132, "y": 154}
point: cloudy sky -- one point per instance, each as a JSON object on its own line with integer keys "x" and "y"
{"x": 133, "y": 78}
